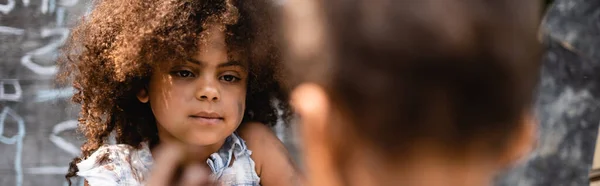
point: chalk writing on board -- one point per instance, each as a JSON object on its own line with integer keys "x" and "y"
{"x": 47, "y": 170}
{"x": 47, "y": 95}
{"x": 68, "y": 3}
{"x": 52, "y": 170}
{"x": 60, "y": 16}
{"x": 62, "y": 144}
{"x": 6, "y": 8}
{"x": 16, "y": 140}
{"x": 49, "y": 48}
{"x": 47, "y": 6}
{"x": 38, "y": 61}
{"x": 11, "y": 30}
{"x": 10, "y": 5}
{"x": 5, "y": 96}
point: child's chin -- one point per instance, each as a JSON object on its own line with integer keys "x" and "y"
{"x": 204, "y": 139}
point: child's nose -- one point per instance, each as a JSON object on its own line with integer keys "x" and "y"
{"x": 208, "y": 92}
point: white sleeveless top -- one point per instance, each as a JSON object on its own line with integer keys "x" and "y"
{"x": 129, "y": 166}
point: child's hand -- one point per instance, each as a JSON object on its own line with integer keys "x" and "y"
{"x": 171, "y": 168}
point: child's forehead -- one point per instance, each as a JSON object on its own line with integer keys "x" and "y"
{"x": 214, "y": 38}
{"x": 232, "y": 58}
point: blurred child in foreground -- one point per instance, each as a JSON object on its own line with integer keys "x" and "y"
{"x": 412, "y": 93}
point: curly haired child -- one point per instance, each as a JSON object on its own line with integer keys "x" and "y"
{"x": 202, "y": 73}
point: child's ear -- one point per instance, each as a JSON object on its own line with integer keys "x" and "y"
{"x": 142, "y": 95}
{"x": 523, "y": 141}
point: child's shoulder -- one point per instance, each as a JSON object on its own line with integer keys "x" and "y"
{"x": 253, "y": 132}
{"x": 116, "y": 164}
{"x": 259, "y": 138}
{"x": 273, "y": 162}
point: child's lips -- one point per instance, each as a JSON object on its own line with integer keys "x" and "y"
{"x": 206, "y": 120}
{"x": 208, "y": 115}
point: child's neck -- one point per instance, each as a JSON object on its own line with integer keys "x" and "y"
{"x": 200, "y": 153}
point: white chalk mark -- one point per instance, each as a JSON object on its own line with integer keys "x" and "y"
{"x": 64, "y": 145}
{"x": 48, "y": 170}
{"x": 68, "y": 3}
{"x": 6, "y": 8}
{"x": 60, "y": 16}
{"x": 51, "y": 47}
{"x": 49, "y": 70}
{"x": 52, "y": 6}
{"x": 64, "y": 126}
{"x": 47, "y": 95}
{"x": 61, "y": 142}
{"x": 10, "y": 97}
{"x": 11, "y": 30}
{"x": 9, "y": 112}
{"x": 63, "y": 32}
{"x": 44, "y": 7}
{"x": 17, "y": 139}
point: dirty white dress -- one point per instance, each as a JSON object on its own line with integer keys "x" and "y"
{"x": 129, "y": 166}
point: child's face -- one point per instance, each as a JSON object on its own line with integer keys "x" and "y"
{"x": 200, "y": 101}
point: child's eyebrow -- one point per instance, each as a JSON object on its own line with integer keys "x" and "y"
{"x": 226, "y": 64}
{"x": 192, "y": 60}
{"x": 232, "y": 63}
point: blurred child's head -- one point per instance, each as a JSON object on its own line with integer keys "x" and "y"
{"x": 407, "y": 84}
{"x": 191, "y": 71}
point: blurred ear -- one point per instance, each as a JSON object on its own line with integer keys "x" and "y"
{"x": 312, "y": 105}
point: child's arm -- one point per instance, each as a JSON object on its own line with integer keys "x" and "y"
{"x": 274, "y": 165}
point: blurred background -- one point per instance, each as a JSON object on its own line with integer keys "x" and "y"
{"x": 37, "y": 121}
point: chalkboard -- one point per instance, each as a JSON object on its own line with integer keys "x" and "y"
{"x": 37, "y": 121}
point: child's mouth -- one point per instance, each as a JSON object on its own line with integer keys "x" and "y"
{"x": 207, "y": 118}
{"x": 206, "y": 121}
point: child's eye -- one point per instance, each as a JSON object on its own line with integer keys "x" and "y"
{"x": 229, "y": 78}
{"x": 183, "y": 73}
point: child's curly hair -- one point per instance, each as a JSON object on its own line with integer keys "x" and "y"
{"x": 110, "y": 55}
